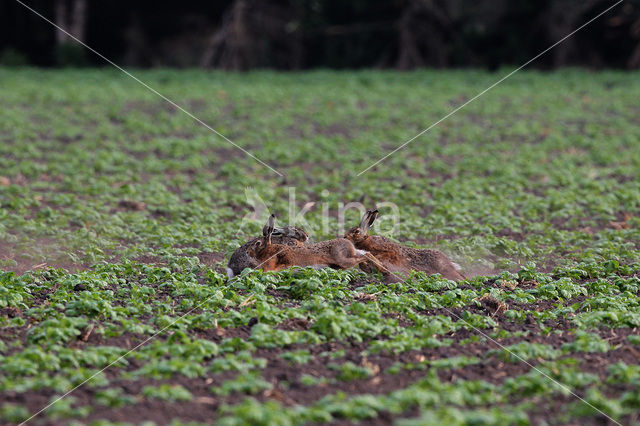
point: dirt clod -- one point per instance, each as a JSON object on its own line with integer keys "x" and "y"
{"x": 132, "y": 205}
{"x": 10, "y": 312}
{"x": 492, "y": 305}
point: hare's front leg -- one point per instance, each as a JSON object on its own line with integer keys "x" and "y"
{"x": 389, "y": 276}
{"x": 371, "y": 258}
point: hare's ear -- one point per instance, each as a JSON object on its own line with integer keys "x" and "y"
{"x": 254, "y": 246}
{"x": 268, "y": 229}
{"x": 372, "y": 217}
{"x": 367, "y": 220}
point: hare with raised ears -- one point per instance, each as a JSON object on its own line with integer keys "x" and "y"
{"x": 241, "y": 259}
{"x": 398, "y": 258}
{"x": 337, "y": 254}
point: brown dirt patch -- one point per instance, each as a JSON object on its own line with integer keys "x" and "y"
{"x": 20, "y": 262}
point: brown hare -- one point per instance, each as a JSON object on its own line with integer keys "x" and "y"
{"x": 337, "y": 254}
{"x": 399, "y": 259}
{"x": 241, "y": 259}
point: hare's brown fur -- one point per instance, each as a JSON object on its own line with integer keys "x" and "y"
{"x": 339, "y": 253}
{"x": 242, "y": 259}
{"x": 398, "y": 258}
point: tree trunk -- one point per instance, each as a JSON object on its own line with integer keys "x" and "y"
{"x": 61, "y": 21}
{"x": 231, "y": 45}
{"x": 563, "y": 17}
{"x": 78, "y": 19}
{"x": 71, "y": 19}
{"x": 408, "y": 51}
{"x": 634, "y": 59}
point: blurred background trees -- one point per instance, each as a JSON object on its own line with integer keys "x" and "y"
{"x": 300, "y": 34}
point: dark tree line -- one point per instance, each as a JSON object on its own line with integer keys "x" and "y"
{"x": 299, "y": 34}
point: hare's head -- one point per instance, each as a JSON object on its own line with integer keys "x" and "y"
{"x": 269, "y": 227}
{"x": 361, "y": 233}
{"x": 254, "y": 248}
{"x": 260, "y": 245}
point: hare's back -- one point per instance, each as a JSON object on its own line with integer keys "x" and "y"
{"x": 427, "y": 258}
{"x": 385, "y": 249}
{"x": 383, "y": 241}
{"x": 338, "y": 247}
{"x": 292, "y": 232}
{"x": 285, "y": 240}
{"x": 328, "y": 245}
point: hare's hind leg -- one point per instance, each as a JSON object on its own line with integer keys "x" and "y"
{"x": 346, "y": 262}
{"x": 346, "y": 256}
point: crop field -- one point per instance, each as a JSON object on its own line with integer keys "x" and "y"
{"x": 118, "y": 213}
